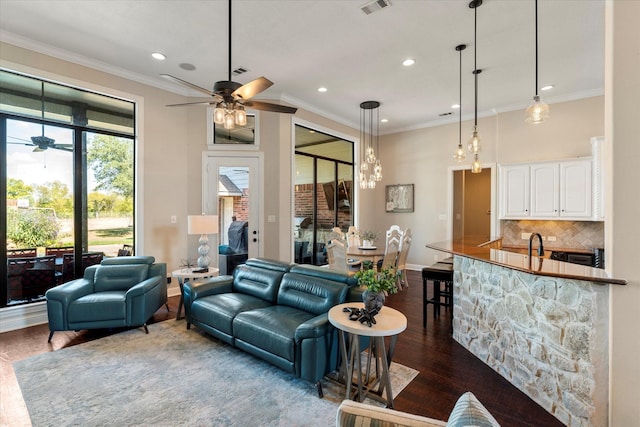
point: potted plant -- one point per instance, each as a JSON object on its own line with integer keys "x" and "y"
{"x": 367, "y": 238}
{"x": 377, "y": 285}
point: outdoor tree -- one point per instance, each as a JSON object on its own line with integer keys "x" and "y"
{"x": 111, "y": 160}
{"x": 55, "y": 195}
{"x": 17, "y": 189}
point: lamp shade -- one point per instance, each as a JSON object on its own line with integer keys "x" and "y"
{"x": 202, "y": 224}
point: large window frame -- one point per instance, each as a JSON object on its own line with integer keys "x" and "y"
{"x": 80, "y": 171}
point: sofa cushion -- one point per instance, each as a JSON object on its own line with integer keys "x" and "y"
{"x": 98, "y": 307}
{"x": 308, "y": 293}
{"x": 271, "y": 328}
{"x": 119, "y": 277}
{"x": 221, "y": 309}
{"x": 468, "y": 411}
{"x": 257, "y": 281}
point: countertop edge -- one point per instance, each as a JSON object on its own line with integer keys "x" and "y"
{"x": 597, "y": 280}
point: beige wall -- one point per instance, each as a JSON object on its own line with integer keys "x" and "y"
{"x": 424, "y": 158}
{"x": 622, "y": 232}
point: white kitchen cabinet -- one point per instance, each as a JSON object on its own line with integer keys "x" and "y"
{"x": 514, "y": 194}
{"x": 575, "y": 189}
{"x": 546, "y": 190}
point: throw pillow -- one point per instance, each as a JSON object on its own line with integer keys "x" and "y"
{"x": 468, "y": 411}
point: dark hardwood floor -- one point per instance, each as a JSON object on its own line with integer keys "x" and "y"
{"x": 446, "y": 369}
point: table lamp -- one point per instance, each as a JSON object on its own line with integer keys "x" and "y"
{"x": 203, "y": 225}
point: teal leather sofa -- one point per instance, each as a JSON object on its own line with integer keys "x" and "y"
{"x": 275, "y": 311}
{"x": 119, "y": 292}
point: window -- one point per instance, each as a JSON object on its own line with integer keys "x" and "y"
{"x": 323, "y": 191}
{"x": 68, "y": 159}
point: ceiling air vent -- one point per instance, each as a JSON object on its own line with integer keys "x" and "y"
{"x": 239, "y": 70}
{"x": 375, "y": 6}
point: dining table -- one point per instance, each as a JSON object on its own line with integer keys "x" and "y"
{"x": 372, "y": 253}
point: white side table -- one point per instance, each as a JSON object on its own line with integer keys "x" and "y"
{"x": 186, "y": 274}
{"x": 389, "y": 323}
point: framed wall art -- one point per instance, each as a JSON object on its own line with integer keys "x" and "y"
{"x": 399, "y": 198}
{"x": 239, "y": 138}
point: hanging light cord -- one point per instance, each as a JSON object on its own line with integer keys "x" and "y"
{"x": 229, "y": 70}
{"x": 460, "y": 102}
{"x": 475, "y": 60}
{"x": 536, "y": 91}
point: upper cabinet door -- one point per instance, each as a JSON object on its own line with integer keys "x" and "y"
{"x": 575, "y": 189}
{"x": 514, "y": 197}
{"x": 544, "y": 190}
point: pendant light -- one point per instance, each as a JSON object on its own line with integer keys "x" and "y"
{"x": 538, "y": 111}
{"x": 474, "y": 142}
{"x": 460, "y": 155}
{"x": 370, "y": 167}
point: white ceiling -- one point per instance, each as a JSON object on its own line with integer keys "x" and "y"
{"x": 301, "y": 45}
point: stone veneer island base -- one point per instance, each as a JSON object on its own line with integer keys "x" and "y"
{"x": 540, "y": 323}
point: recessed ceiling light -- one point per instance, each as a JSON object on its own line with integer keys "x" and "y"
{"x": 455, "y": 106}
{"x": 384, "y": 120}
{"x": 547, "y": 87}
{"x": 322, "y": 89}
{"x": 159, "y": 56}
{"x": 408, "y": 62}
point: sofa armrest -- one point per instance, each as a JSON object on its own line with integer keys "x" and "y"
{"x": 211, "y": 286}
{"x": 143, "y": 287}
{"x": 315, "y": 327}
{"x": 70, "y": 291}
{"x": 351, "y": 414}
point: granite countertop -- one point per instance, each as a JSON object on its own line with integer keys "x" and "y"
{"x": 522, "y": 262}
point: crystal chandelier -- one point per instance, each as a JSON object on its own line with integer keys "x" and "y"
{"x": 370, "y": 167}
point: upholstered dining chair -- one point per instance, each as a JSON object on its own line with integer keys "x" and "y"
{"x": 337, "y": 255}
{"x": 401, "y": 267}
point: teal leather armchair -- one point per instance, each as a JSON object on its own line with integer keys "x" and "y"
{"x": 119, "y": 292}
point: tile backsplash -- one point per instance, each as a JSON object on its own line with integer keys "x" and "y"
{"x": 569, "y": 234}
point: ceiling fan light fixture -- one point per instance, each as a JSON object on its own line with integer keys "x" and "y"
{"x": 218, "y": 114}
{"x": 229, "y": 120}
{"x": 241, "y": 116}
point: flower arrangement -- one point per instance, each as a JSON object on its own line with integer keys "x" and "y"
{"x": 374, "y": 281}
{"x": 368, "y": 235}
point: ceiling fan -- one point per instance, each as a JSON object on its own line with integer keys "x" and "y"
{"x": 42, "y": 143}
{"x": 230, "y": 98}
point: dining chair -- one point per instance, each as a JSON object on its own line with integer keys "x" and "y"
{"x": 392, "y": 247}
{"x": 337, "y": 255}
{"x": 352, "y": 237}
{"x": 401, "y": 268}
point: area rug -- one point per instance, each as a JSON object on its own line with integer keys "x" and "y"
{"x": 172, "y": 376}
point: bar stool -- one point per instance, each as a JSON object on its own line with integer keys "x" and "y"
{"x": 439, "y": 273}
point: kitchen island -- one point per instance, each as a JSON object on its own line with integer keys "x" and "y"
{"x": 541, "y": 324}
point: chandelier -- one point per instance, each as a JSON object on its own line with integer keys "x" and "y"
{"x": 474, "y": 142}
{"x": 229, "y": 114}
{"x": 370, "y": 167}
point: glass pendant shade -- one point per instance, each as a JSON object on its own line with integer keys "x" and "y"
{"x": 218, "y": 115}
{"x": 474, "y": 141}
{"x": 476, "y": 167}
{"x": 370, "y": 167}
{"x": 460, "y": 154}
{"x": 229, "y": 121}
{"x": 377, "y": 170}
{"x": 371, "y": 155}
{"x": 537, "y": 112}
{"x": 241, "y": 116}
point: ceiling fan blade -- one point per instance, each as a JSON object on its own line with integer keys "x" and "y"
{"x": 63, "y": 147}
{"x": 186, "y": 83}
{"x": 253, "y": 88}
{"x": 266, "y": 106}
{"x": 194, "y": 103}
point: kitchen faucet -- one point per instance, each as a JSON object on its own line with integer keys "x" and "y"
{"x": 540, "y": 247}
